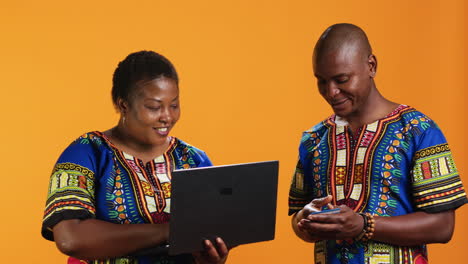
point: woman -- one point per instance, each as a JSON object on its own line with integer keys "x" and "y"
{"x": 109, "y": 193}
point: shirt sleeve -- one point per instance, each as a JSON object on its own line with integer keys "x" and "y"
{"x": 71, "y": 186}
{"x": 204, "y": 160}
{"x": 299, "y": 194}
{"x": 437, "y": 185}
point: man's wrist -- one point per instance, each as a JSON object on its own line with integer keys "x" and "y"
{"x": 368, "y": 228}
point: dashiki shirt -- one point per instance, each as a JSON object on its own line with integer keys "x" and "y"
{"x": 395, "y": 166}
{"x": 94, "y": 179}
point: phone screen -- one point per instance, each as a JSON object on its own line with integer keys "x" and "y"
{"x": 329, "y": 211}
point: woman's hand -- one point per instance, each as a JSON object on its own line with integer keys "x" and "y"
{"x": 213, "y": 254}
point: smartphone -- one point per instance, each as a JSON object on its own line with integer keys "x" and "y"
{"x": 328, "y": 211}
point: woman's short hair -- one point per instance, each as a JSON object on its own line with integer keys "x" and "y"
{"x": 138, "y": 66}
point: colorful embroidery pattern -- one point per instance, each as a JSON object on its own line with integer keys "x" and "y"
{"x": 116, "y": 197}
{"x": 435, "y": 176}
{"x": 372, "y": 171}
{"x": 69, "y": 189}
{"x": 299, "y": 195}
{"x": 94, "y": 179}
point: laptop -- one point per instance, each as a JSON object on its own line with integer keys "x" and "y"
{"x": 235, "y": 202}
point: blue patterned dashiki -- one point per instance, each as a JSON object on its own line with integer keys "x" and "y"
{"x": 397, "y": 165}
{"x": 94, "y": 179}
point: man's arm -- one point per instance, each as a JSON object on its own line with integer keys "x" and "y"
{"x": 415, "y": 229}
{"x": 406, "y": 230}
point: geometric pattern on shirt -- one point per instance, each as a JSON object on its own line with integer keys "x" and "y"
{"x": 71, "y": 187}
{"x": 151, "y": 183}
{"x": 388, "y": 172}
{"x": 378, "y": 253}
{"x": 349, "y": 184}
{"x": 116, "y": 193}
{"x": 436, "y": 178}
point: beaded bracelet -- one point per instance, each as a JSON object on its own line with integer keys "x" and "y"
{"x": 368, "y": 228}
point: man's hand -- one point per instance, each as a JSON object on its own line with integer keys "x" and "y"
{"x": 314, "y": 206}
{"x": 346, "y": 224}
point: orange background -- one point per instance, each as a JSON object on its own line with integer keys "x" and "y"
{"x": 246, "y": 85}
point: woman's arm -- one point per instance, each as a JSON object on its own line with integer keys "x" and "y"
{"x": 96, "y": 239}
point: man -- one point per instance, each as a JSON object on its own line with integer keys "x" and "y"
{"x": 385, "y": 167}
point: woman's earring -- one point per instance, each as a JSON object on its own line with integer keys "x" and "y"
{"x": 123, "y": 120}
